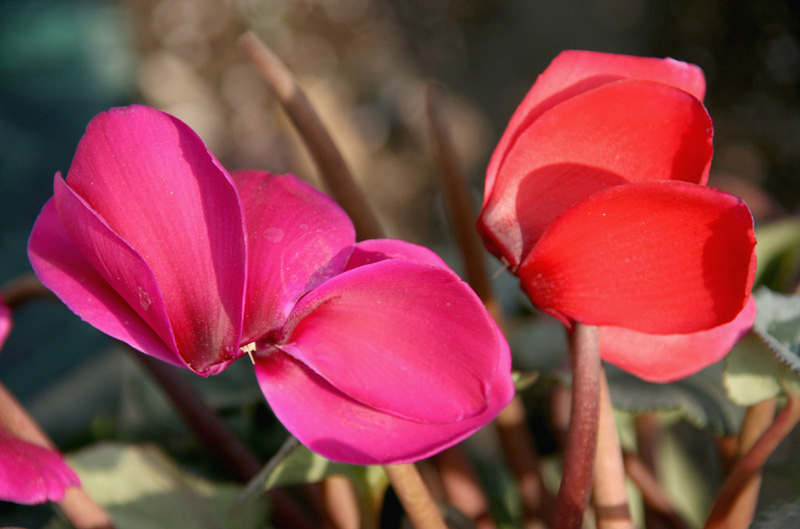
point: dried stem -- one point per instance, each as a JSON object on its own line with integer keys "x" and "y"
{"x": 22, "y": 289}
{"x": 655, "y": 497}
{"x": 750, "y": 465}
{"x": 329, "y": 160}
{"x": 576, "y": 479}
{"x": 756, "y": 422}
{"x": 511, "y": 423}
{"x": 217, "y": 438}
{"x": 77, "y": 506}
{"x": 415, "y": 497}
{"x": 610, "y": 496}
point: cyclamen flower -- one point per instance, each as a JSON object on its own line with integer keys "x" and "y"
{"x": 29, "y": 473}
{"x": 595, "y": 198}
{"x": 373, "y": 352}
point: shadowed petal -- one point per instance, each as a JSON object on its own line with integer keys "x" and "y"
{"x": 32, "y": 474}
{"x": 574, "y": 72}
{"x": 342, "y": 429}
{"x": 63, "y": 269}
{"x": 5, "y": 322}
{"x": 669, "y": 357}
{"x": 656, "y": 257}
{"x": 375, "y": 250}
{"x": 400, "y": 336}
{"x": 154, "y": 183}
{"x": 625, "y": 131}
{"x": 298, "y": 238}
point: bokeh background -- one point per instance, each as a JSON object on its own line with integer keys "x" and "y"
{"x": 365, "y": 65}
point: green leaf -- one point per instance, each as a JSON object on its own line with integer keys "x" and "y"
{"x": 765, "y": 364}
{"x": 701, "y": 399}
{"x": 778, "y": 253}
{"x": 524, "y": 380}
{"x": 295, "y": 464}
{"x": 142, "y": 488}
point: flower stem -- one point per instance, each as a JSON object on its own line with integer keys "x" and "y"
{"x": 77, "y": 506}
{"x": 750, "y": 464}
{"x": 415, "y": 496}
{"x": 327, "y": 156}
{"x": 579, "y": 454}
{"x": 511, "y": 424}
{"x": 655, "y": 498}
{"x": 756, "y": 422}
{"x": 22, "y": 289}
{"x": 610, "y": 495}
{"x": 217, "y": 438}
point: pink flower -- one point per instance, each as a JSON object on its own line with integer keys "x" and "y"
{"x": 596, "y": 198}
{"x": 29, "y": 473}
{"x": 373, "y": 352}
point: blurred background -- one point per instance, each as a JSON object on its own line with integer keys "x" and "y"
{"x": 365, "y": 65}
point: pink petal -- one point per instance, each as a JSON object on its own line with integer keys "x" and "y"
{"x": 342, "y": 429}
{"x": 669, "y": 357}
{"x": 298, "y": 238}
{"x": 62, "y": 268}
{"x": 574, "y": 72}
{"x": 154, "y": 183}
{"x": 625, "y": 131}
{"x": 655, "y": 257}
{"x": 5, "y": 322}
{"x": 32, "y": 474}
{"x": 403, "y": 337}
{"x": 375, "y": 250}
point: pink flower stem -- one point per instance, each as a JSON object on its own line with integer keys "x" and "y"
{"x": 610, "y": 495}
{"x": 511, "y": 423}
{"x": 77, "y": 506}
{"x": 579, "y": 453}
{"x": 655, "y": 498}
{"x": 329, "y": 160}
{"x": 750, "y": 464}
{"x": 415, "y": 496}
{"x": 756, "y": 422}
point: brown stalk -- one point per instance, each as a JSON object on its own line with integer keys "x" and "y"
{"x": 750, "y": 464}
{"x": 415, "y": 496}
{"x": 756, "y": 422}
{"x": 22, "y": 289}
{"x": 654, "y": 496}
{"x": 511, "y": 424}
{"x": 327, "y": 156}
{"x": 579, "y": 453}
{"x": 610, "y": 495}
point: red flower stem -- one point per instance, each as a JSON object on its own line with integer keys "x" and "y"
{"x": 511, "y": 423}
{"x": 22, "y": 289}
{"x": 579, "y": 453}
{"x": 77, "y": 506}
{"x": 327, "y": 156}
{"x": 415, "y": 496}
{"x": 756, "y": 422}
{"x": 217, "y": 438}
{"x": 654, "y": 496}
{"x": 750, "y": 465}
{"x": 610, "y": 495}
{"x": 648, "y": 438}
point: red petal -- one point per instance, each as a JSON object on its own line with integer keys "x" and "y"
{"x": 574, "y": 72}
{"x": 656, "y": 257}
{"x": 625, "y": 131}
{"x": 669, "y": 357}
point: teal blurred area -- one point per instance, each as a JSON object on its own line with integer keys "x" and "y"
{"x": 61, "y": 62}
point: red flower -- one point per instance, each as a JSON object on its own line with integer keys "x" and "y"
{"x": 595, "y": 197}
